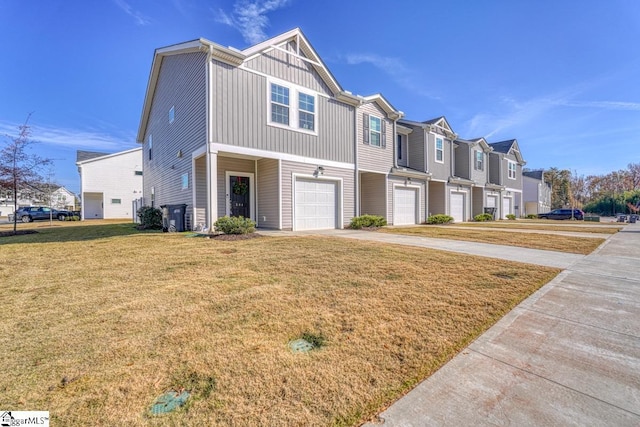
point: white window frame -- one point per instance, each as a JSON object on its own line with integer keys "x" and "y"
{"x": 116, "y": 201}
{"x": 375, "y": 132}
{"x": 308, "y": 112}
{"x": 511, "y": 169}
{"x": 479, "y": 162}
{"x": 435, "y": 145}
{"x": 294, "y": 107}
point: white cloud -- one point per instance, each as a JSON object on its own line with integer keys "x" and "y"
{"x": 604, "y": 105}
{"x": 250, "y": 17}
{"x": 395, "y": 68}
{"x": 136, "y": 15}
{"x": 73, "y": 138}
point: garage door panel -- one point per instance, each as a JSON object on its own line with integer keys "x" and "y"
{"x": 405, "y": 201}
{"x": 457, "y": 206}
{"x": 315, "y": 204}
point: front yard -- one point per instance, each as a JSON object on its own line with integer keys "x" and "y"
{"x": 98, "y": 320}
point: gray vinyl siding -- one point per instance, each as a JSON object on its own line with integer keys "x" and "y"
{"x": 437, "y": 202}
{"x": 415, "y": 150}
{"x": 440, "y": 171}
{"x": 181, "y": 84}
{"x": 372, "y": 158}
{"x": 477, "y": 205}
{"x": 479, "y": 176}
{"x": 232, "y": 164}
{"x": 290, "y": 168}
{"x": 512, "y": 183}
{"x": 422, "y": 195}
{"x": 240, "y": 115}
{"x": 462, "y": 161}
{"x": 372, "y": 195}
{"x": 289, "y": 68}
{"x": 495, "y": 174}
{"x": 268, "y": 215}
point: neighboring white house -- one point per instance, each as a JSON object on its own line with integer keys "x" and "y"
{"x": 109, "y": 183}
{"x": 536, "y": 193}
{"x": 63, "y": 199}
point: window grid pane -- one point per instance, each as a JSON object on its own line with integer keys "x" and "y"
{"x": 279, "y": 114}
{"x": 279, "y": 94}
{"x": 306, "y": 121}
{"x": 439, "y": 150}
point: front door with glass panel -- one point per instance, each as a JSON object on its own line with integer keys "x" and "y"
{"x": 240, "y": 197}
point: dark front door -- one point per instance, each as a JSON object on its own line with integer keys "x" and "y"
{"x": 240, "y": 197}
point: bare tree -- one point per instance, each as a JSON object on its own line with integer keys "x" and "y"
{"x": 18, "y": 166}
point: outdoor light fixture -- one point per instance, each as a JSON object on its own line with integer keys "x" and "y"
{"x": 319, "y": 171}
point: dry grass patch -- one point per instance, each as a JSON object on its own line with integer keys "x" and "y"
{"x": 528, "y": 225}
{"x": 570, "y": 244}
{"x": 96, "y": 326}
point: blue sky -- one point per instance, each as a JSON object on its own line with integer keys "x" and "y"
{"x": 562, "y": 77}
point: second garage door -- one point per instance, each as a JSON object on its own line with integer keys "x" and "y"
{"x": 405, "y": 202}
{"x": 457, "y": 207}
{"x": 315, "y": 205}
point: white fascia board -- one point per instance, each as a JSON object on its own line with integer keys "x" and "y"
{"x": 256, "y": 153}
{"x": 108, "y": 156}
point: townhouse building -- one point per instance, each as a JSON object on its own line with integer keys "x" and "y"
{"x": 269, "y": 134}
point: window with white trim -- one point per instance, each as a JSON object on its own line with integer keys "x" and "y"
{"x": 150, "y": 146}
{"x": 279, "y": 104}
{"x": 292, "y": 107}
{"x": 399, "y": 147}
{"x": 479, "y": 160}
{"x": 375, "y": 131}
{"x": 307, "y": 111}
{"x": 185, "y": 181}
{"x": 511, "y": 168}
{"x": 116, "y": 201}
{"x": 439, "y": 150}
{"x": 172, "y": 114}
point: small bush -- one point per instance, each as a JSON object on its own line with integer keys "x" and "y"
{"x": 235, "y": 225}
{"x": 532, "y": 216}
{"x": 150, "y": 218}
{"x": 483, "y": 217}
{"x": 510, "y": 216}
{"x": 365, "y": 221}
{"x": 439, "y": 219}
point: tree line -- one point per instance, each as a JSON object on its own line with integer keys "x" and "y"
{"x": 609, "y": 194}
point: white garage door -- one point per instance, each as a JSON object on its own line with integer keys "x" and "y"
{"x": 457, "y": 207}
{"x": 315, "y": 205}
{"x": 506, "y": 207}
{"x": 404, "y": 206}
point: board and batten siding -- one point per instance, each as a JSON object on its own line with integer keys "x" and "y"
{"x": 415, "y": 150}
{"x": 289, "y": 68}
{"x": 268, "y": 213}
{"x": 395, "y": 181}
{"x": 512, "y": 183}
{"x": 370, "y": 157}
{"x": 479, "y": 176}
{"x": 372, "y": 197}
{"x": 462, "y": 161}
{"x": 232, "y": 164}
{"x": 240, "y": 116}
{"x": 182, "y": 85}
{"x": 439, "y": 170}
{"x": 495, "y": 169}
{"x": 291, "y": 168}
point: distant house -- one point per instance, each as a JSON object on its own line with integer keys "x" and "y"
{"x": 536, "y": 193}
{"x": 61, "y": 198}
{"x": 505, "y": 177}
{"x": 109, "y": 183}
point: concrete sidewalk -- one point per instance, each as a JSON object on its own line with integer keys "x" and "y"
{"x": 568, "y": 355}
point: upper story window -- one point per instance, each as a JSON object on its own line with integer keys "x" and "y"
{"x": 283, "y": 111}
{"x": 307, "y": 113}
{"x": 399, "y": 150}
{"x": 150, "y": 146}
{"x": 479, "y": 160}
{"x": 511, "y": 169}
{"x": 172, "y": 114}
{"x": 375, "y": 128}
{"x": 439, "y": 150}
{"x": 279, "y": 104}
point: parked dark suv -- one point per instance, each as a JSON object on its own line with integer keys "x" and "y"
{"x": 562, "y": 214}
{"x": 33, "y": 213}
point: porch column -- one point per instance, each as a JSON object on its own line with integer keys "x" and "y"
{"x": 212, "y": 188}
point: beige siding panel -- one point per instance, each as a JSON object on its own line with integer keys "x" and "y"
{"x": 462, "y": 162}
{"x": 437, "y": 201}
{"x": 372, "y": 194}
{"x": 372, "y": 158}
{"x": 439, "y": 170}
{"x": 291, "y": 168}
{"x": 415, "y": 148}
{"x": 241, "y": 113}
{"x": 231, "y": 164}
{"x": 478, "y": 201}
{"x": 267, "y": 192}
{"x": 479, "y": 176}
{"x": 181, "y": 84}
{"x": 290, "y": 68}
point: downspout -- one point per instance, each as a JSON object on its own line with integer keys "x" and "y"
{"x": 356, "y": 178}
{"x": 395, "y": 143}
{"x": 209, "y": 184}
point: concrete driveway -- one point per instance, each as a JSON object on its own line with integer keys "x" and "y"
{"x": 568, "y": 355}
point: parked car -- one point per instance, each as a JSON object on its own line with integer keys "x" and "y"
{"x": 34, "y": 213}
{"x": 563, "y": 214}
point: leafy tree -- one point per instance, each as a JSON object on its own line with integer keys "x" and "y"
{"x": 18, "y": 166}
